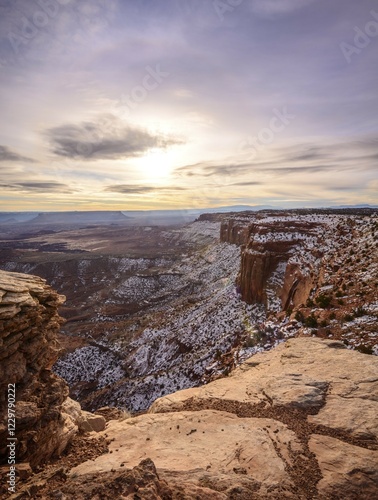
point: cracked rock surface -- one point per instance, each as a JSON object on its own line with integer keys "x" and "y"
{"x": 296, "y": 422}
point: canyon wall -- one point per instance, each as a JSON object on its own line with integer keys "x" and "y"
{"x": 29, "y": 322}
{"x": 314, "y": 272}
{"x": 268, "y": 268}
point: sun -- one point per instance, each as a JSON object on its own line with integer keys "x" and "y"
{"x": 157, "y": 165}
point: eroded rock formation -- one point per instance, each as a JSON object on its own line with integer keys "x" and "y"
{"x": 299, "y": 421}
{"x": 285, "y": 256}
{"x": 296, "y": 422}
{"x": 267, "y": 247}
{"x": 29, "y": 321}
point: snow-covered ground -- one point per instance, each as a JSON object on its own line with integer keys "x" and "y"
{"x": 202, "y": 318}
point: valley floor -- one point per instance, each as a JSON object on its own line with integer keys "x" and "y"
{"x": 152, "y": 310}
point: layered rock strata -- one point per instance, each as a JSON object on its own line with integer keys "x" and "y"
{"x": 290, "y": 258}
{"x": 45, "y": 418}
{"x": 268, "y": 244}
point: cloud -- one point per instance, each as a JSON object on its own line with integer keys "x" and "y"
{"x": 133, "y": 189}
{"x": 40, "y": 187}
{"x": 107, "y": 137}
{"x": 247, "y": 183}
{"x": 7, "y": 155}
{"x": 278, "y": 7}
{"x": 297, "y": 159}
{"x": 209, "y": 169}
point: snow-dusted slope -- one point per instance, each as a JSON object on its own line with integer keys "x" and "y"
{"x": 197, "y": 318}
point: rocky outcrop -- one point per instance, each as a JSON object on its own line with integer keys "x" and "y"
{"x": 29, "y": 322}
{"x": 297, "y": 422}
{"x": 266, "y": 269}
{"x": 314, "y": 271}
{"x": 286, "y": 257}
{"x": 235, "y": 230}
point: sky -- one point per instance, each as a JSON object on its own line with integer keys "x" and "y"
{"x": 167, "y": 104}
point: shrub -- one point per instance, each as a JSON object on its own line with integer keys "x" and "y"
{"x": 364, "y": 349}
{"x": 311, "y": 321}
{"x": 310, "y": 303}
{"x": 323, "y": 300}
{"x": 125, "y": 415}
{"x": 360, "y": 311}
{"x": 299, "y": 316}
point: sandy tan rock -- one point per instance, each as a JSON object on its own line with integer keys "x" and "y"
{"x": 142, "y": 482}
{"x": 213, "y": 441}
{"x": 357, "y": 417}
{"x": 83, "y": 420}
{"x": 63, "y": 435}
{"x": 23, "y": 298}
{"x": 296, "y": 374}
{"x": 92, "y": 423}
{"x": 348, "y": 471}
{"x": 29, "y": 322}
{"x": 73, "y": 409}
{"x": 9, "y": 311}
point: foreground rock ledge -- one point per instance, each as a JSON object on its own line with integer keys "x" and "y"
{"x": 267, "y": 431}
{"x": 46, "y": 420}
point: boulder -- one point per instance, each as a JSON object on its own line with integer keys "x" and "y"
{"x": 295, "y": 422}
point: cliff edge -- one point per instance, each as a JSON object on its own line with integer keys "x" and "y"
{"x": 45, "y": 418}
{"x": 297, "y": 422}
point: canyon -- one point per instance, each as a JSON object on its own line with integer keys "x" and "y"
{"x": 233, "y": 341}
{"x": 154, "y": 309}
{"x": 299, "y": 421}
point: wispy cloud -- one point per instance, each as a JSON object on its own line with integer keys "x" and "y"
{"x": 247, "y": 183}
{"x": 106, "y": 137}
{"x": 7, "y": 155}
{"x": 39, "y": 187}
{"x": 296, "y": 160}
{"x": 133, "y": 189}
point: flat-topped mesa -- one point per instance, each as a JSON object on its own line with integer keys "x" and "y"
{"x": 235, "y": 230}
{"x": 29, "y": 322}
{"x": 266, "y": 270}
{"x": 269, "y": 273}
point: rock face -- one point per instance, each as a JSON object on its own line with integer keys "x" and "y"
{"x": 297, "y": 422}
{"x": 284, "y": 254}
{"x": 268, "y": 244}
{"x": 314, "y": 271}
{"x": 29, "y": 322}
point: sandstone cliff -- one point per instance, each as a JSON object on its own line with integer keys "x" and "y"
{"x": 46, "y": 419}
{"x": 266, "y": 270}
{"x": 297, "y": 422}
{"x": 314, "y": 271}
